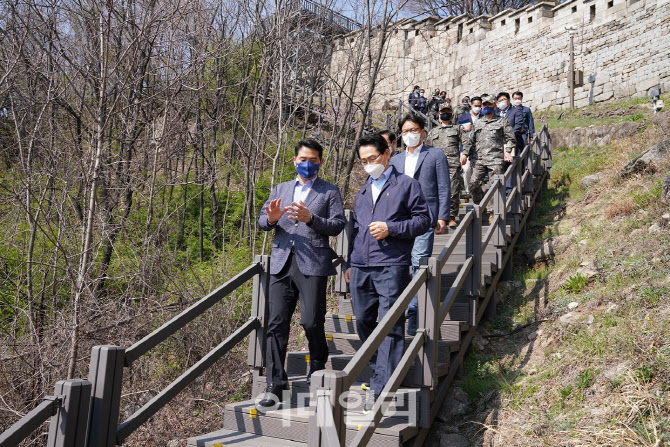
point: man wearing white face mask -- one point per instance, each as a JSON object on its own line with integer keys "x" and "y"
{"x": 430, "y": 167}
{"x": 389, "y": 212}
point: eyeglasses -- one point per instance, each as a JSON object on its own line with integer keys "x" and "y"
{"x": 370, "y": 160}
{"x": 412, "y": 130}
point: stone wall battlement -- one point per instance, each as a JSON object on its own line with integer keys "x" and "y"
{"x": 622, "y": 48}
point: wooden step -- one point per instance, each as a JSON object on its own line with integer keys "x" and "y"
{"x": 241, "y": 439}
{"x": 460, "y": 311}
{"x": 341, "y": 343}
{"x": 346, "y": 324}
{"x": 297, "y": 364}
{"x": 299, "y": 394}
{"x": 292, "y": 424}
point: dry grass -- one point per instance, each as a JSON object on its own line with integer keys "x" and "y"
{"x": 618, "y": 208}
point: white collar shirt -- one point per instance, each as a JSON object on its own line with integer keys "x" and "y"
{"x": 411, "y": 161}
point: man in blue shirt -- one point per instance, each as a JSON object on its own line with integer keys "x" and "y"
{"x": 389, "y": 212}
{"x": 303, "y": 213}
{"x": 529, "y": 124}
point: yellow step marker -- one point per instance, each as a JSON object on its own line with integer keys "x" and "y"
{"x": 359, "y": 427}
{"x": 253, "y": 413}
{"x": 307, "y": 360}
{"x": 218, "y": 444}
{"x": 347, "y": 318}
{"x": 329, "y": 337}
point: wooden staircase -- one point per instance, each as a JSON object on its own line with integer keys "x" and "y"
{"x": 244, "y": 425}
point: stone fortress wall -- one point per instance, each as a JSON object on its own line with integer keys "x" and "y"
{"x": 621, "y": 46}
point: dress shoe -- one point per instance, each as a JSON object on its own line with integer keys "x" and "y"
{"x": 273, "y": 395}
{"x": 314, "y": 366}
{"x": 411, "y": 323}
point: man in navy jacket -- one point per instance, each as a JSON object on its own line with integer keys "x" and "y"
{"x": 389, "y": 212}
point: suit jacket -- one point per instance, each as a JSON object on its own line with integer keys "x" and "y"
{"x": 432, "y": 172}
{"x": 515, "y": 117}
{"x": 312, "y": 247}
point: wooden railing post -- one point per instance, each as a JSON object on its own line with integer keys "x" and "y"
{"x": 427, "y": 319}
{"x": 259, "y": 310}
{"x": 473, "y": 249}
{"x": 68, "y": 425}
{"x": 500, "y": 209}
{"x": 326, "y": 389}
{"x": 105, "y": 375}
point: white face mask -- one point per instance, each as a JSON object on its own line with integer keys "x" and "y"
{"x": 502, "y": 105}
{"x": 516, "y": 102}
{"x": 374, "y": 170}
{"x": 476, "y": 110}
{"x": 412, "y": 139}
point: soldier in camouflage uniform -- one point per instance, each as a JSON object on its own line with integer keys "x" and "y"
{"x": 449, "y": 137}
{"x": 493, "y": 139}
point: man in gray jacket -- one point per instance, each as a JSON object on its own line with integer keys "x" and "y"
{"x": 304, "y": 212}
{"x": 430, "y": 167}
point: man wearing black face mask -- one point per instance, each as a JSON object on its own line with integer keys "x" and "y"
{"x": 450, "y": 137}
{"x": 300, "y": 263}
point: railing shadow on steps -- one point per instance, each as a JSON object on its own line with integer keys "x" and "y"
{"x": 327, "y": 423}
{"x": 86, "y": 412}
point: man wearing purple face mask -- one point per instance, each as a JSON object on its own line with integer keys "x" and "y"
{"x": 303, "y": 212}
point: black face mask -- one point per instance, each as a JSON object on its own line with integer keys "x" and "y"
{"x": 446, "y": 116}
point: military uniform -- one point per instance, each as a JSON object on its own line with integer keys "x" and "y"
{"x": 449, "y": 138}
{"x": 490, "y": 138}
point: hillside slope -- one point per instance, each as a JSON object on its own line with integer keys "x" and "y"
{"x": 579, "y": 353}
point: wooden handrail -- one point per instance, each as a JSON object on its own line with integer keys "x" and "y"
{"x": 375, "y": 415}
{"x": 490, "y": 233}
{"x": 363, "y": 355}
{"x": 455, "y": 238}
{"x": 161, "y": 399}
{"x": 25, "y": 426}
{"x": 489, "y": 194}
{"x": 143, "y": 346}
{"x": 455, "y": 288}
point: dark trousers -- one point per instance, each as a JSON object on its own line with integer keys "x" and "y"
{"x": 374, "y": 290}
{"x": 286, "y": 288}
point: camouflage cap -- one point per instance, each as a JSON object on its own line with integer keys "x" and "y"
{"x": 446, "y": 107}
{"x": 488, "y": 99}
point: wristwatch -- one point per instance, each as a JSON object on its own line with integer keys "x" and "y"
{"x": 311, "y": 219}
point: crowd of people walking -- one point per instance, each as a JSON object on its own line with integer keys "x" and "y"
{"x": 411, "y": 194}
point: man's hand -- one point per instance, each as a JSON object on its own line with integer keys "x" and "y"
{"x": 299, "y": 212}
{"x": 441, "y": 226}
{"x": 347, "y": 275}
{"x": 274, "y": 211}
{"x": 464, "y": 159}
{"x": 379, "y": 230}
{"x": 468, "y": 127}
{"x": 508, "y": 157}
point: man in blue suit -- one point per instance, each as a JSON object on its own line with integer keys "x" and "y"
{"x": 304, "y": 212}
{"x": 429, "y": 166}
{"x": 389, "y": 213}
